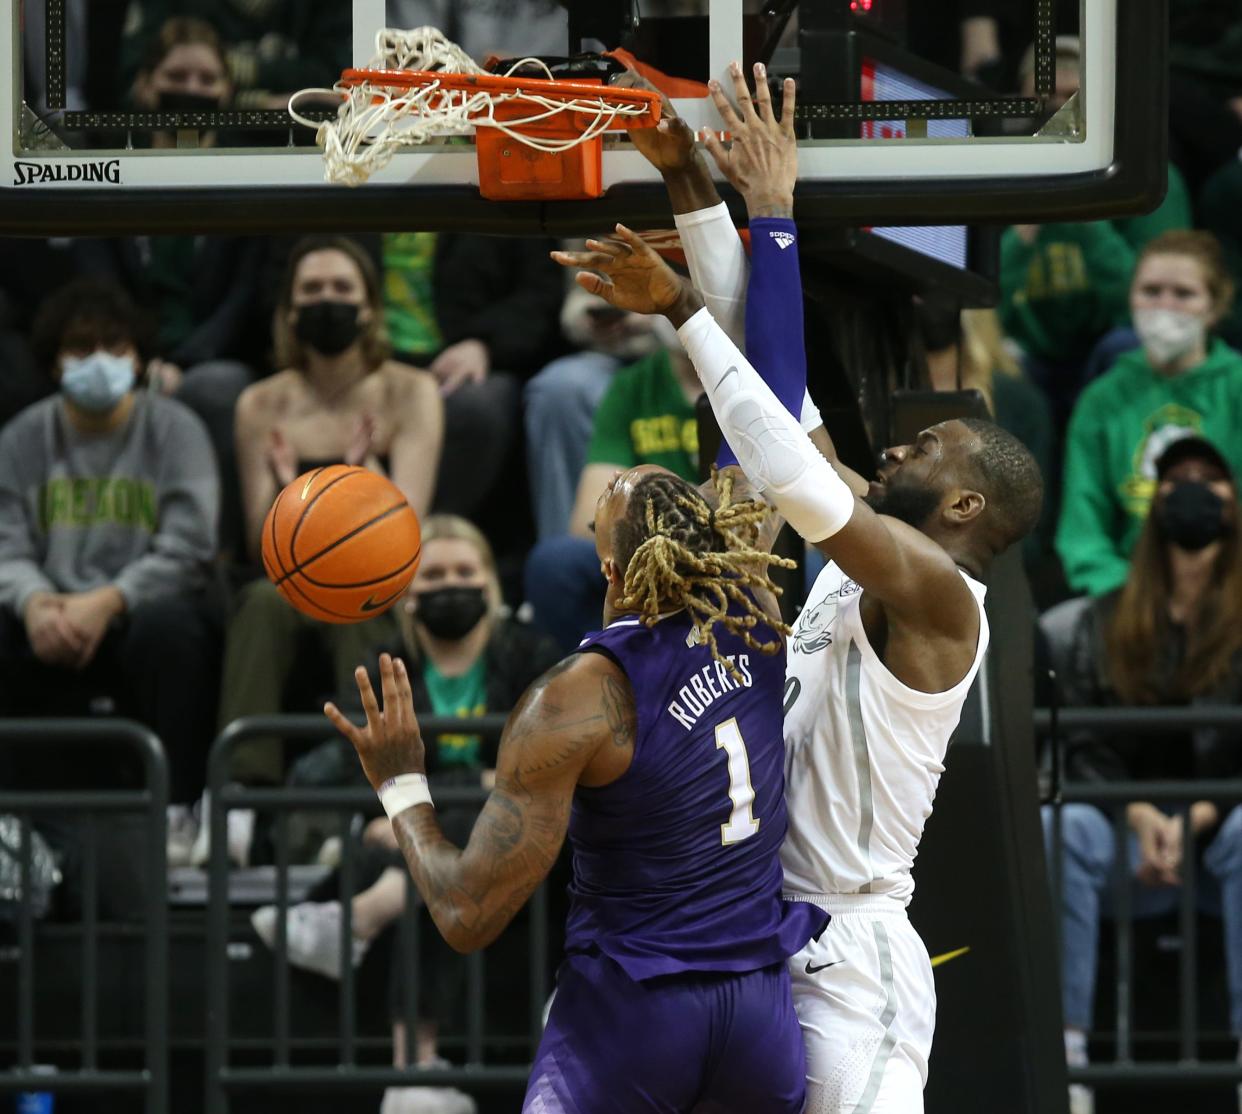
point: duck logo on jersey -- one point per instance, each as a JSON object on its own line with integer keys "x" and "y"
{"x": 813, "y": 630}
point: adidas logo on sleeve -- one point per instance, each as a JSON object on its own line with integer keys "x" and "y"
{"x": 783, "y": 239}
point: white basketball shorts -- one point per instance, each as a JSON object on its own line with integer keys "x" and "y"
{"x": 866, "y": 1001}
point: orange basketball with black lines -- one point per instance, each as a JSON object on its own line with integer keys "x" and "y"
{"x": 341, "y": 544}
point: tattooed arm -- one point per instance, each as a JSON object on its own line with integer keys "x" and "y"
{"x": 575, "y": 725}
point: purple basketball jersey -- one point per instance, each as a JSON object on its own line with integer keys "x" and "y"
{"x": 676, "y": 864}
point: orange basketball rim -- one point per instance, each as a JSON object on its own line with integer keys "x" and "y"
{"x": 537, "y": 139}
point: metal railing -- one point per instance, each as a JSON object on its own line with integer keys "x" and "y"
{"x": 1124, "y": 1070}
{"x": 290, "y": 1070}
{"x": 152, "y": 801}
{"x": 284, "y": 1071}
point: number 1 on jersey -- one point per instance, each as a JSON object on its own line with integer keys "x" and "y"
{"x": 742, "y": 823}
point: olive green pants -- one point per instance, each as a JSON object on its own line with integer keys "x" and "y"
{"x": 261, "y": 648}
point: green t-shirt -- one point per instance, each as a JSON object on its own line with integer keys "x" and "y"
{"x": 464, "y": 696}
{"x": 409, "y": 298}
{"x": 1121, "y": 424}
{"x": 645, "y": 419}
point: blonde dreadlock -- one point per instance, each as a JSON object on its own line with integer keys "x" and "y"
{"x": 687, "y": 554}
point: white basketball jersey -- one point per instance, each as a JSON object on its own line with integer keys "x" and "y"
{"x": 863, "y": 752}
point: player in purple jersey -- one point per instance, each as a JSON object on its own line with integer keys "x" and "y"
{"x": 657, "y": 747}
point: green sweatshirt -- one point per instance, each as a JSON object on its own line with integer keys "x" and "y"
{"x": 1060, "y": 294}
{"x": 1174, "y": 214}
{"x": 1121, "y": 424}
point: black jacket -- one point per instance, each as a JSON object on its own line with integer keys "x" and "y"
{"x": 1118, "y": 756}
{"x": 502, "y": 290}
{"x": 517, "y": 655}
{"x": 223, "y": 293}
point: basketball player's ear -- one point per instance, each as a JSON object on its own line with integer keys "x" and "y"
{"x": 611, "y": 574}
{"x": 966, "y": 507}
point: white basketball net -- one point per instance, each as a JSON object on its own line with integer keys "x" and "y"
{"x": 375, "y": 121}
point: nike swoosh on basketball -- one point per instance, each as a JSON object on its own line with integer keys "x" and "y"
{"x": 373, "y": 604}
{"x": 823, "y": 966}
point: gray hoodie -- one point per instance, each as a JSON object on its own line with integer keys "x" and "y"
{"x": 135, "y": 507}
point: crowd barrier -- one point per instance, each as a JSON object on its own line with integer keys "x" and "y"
{"x": 1054, "y": 724}
{"x": 151, "y": 801}
{"x": 286, "y": 1072}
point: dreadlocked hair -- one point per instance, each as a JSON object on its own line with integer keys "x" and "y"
{"x": 678, "y": 551}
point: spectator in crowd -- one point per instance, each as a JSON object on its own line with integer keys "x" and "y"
{"x": 966, "y": 351}
{"x": 202, "y": 290}
{"x": 339, "y": 398}
{"x": 1063, "y": 286}
{"x": 561, "y": 401}
{"x": 1171, "y": 635}
{"x": 478, "y": 312}
{"x": 23, "y": 382}
{"x": 465, "y": 659}
{"x": 184, "y": 70}
{"x": 507, "y": 28}
{"x": 1220, "y": 212}
{"x": 275, "y": 47}
{"x": 108, "y": 503}
{"x": 646, "y": 417}
{"x": 1181, "y": 380}
{"x": 1205, "y": 85}
{"x": 981, "y": 39}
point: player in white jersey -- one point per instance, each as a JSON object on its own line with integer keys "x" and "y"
{"x": 891, "y": 637}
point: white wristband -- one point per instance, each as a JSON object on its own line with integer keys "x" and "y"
{"x": 404, "y": 791}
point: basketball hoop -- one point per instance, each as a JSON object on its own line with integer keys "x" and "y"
{"x": 536, "y": 138}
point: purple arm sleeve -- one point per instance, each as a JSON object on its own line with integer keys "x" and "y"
{"x": 774, "y": 330}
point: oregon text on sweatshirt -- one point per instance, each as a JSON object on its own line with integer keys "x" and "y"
{"x": 135, "y": 507}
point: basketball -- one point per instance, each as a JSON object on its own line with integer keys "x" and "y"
{"x": 341, "y": 544}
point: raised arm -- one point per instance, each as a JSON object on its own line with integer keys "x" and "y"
{"x": 712, "y": 246}
{"x": 762, "y": 165}
{"x": 414, "y": 455}
{"x": 910, "y": 575}
{"x": 568, "y": 727}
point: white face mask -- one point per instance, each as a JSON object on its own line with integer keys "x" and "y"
{"x": 1169, "y": 334}
{"x": 97, "y": 383}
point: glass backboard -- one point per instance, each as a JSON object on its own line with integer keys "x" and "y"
{"x": 907, "y": 118}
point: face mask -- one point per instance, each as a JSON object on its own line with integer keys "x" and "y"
{"x": 187, "y": 102}
{"x": 328, "y": 327}
{"x": 97, "y": 383}
{"x": 451, "y": 613}
{"x": 1192, "y": 516}
{"x": 1168, "y": 334}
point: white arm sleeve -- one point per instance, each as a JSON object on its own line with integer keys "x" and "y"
{"x": 720, "y": 271}
{"x": 774, "y": 452}
{"x": 810, "y": 418}
{"x": 718, "y": 266}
